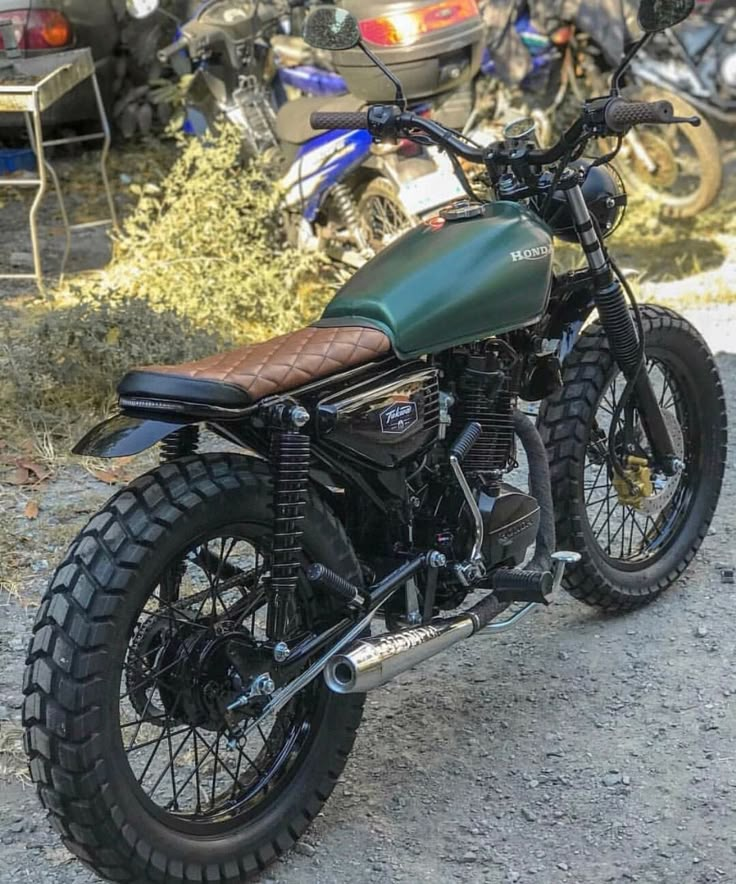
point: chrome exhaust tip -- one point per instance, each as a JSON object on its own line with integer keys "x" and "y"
{"x": 372, "y": 662}
{"x": 341, "y": 675}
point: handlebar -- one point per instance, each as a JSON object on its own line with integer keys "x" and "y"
{"x": 172, "y": 49}
{"x": 344, "y": 120}
{"x": 621, "y": 114}
{"x": 604, "y": 116}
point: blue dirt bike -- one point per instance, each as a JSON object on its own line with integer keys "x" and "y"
{"x": 341, "y": 196}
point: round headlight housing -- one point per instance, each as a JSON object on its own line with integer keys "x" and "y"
{"x": 604, "y": 195}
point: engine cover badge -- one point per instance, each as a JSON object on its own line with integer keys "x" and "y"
{"x": 398, "y": 417}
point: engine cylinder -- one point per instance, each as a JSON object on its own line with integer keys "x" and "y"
{"x": 487, "y": 395}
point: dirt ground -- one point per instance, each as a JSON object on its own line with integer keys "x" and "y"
{"x": 574, "y": 748}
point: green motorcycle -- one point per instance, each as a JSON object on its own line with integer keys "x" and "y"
{"x": 199, "y": 664}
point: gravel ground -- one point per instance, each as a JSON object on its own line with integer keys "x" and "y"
{"x": 575, "y": 748}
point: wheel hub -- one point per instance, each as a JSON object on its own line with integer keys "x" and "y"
{"x": 661, "y": 154}
{"x": 638, "y": 487}
{"x": 202, "y": 672}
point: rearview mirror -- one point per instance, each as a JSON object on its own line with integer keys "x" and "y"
{"x": 328, "y": 27}
{"x": 658, "y": 15}
{"x": 141, "y": 8}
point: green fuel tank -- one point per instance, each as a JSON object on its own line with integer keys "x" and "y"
{"x": 449, "y": 282}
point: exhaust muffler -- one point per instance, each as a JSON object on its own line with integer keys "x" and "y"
{"x": 371, "y": 662}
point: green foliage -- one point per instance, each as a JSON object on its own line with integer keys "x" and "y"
{"x": 209, "y": 244}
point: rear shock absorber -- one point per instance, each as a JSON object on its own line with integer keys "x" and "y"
{"x": 290, "y": 459}
{"x": 180, "y": 443}
{"x": 345, "y": 205}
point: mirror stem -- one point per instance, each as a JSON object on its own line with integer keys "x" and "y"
{"x": 624, "y": 66}
{"x": 400, "y": 99}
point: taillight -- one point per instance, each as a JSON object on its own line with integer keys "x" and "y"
{"x": 404, "y": 28}
{"x": 39, "y": 29}
{"x": 562, "y": 36}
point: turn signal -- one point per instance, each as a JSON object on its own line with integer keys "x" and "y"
{"x": 402, "y": 29}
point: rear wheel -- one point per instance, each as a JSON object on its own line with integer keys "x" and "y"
{"x": 634, "y": 546}
{"x": 152, "y": 627}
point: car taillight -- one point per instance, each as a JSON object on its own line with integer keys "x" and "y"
{"x": 404, "y": 28}
{"x": 39, "y": 29}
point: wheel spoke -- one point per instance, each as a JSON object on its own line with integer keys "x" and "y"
{"x": 176, "y": 661}
{"x": 623, "y": 531}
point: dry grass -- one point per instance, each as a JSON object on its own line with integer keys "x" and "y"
{"x": 201, "y": 264}
{"x": 13, "y": 762}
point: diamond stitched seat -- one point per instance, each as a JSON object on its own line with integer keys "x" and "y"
{"x": 240, "y": 377}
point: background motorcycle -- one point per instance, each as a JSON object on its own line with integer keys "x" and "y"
{"x": 697, "y": 61}
{"x": 342, "y": 195}
{"x": 178, "y": 724}
{"x": 561, "y": 54}
{"x": 228, "y": 44}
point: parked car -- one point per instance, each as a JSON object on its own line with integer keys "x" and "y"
{"x": 47, "y": 26}
{"x": 124, "y": 52}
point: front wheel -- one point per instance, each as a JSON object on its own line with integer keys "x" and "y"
{"x": 634, "y": 544}
{"x": 152, "y": 626}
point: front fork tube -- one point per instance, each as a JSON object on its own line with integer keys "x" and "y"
{"x": 621, "y": 332}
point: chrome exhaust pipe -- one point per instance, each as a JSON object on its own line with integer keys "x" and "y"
{"x": 371, "y": 662}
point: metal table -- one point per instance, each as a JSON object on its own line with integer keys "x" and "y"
{"x": 31, "y": 86}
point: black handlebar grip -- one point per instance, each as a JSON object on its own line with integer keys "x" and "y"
{"x": 335, "y": 120}
{"x": 621, "y": 114}
{"x": 169, "y": 51}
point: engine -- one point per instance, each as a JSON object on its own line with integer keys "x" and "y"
{"x": 480, "y": 384}
{"x": 485, "y": 390}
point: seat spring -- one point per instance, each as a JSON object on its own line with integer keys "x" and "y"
{"x": 290, "y": 459}
{"x": 180, "y": 443}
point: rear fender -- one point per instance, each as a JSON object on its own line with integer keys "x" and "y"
{"x": 123, "y": 436}
{"x": 321, "y": 163}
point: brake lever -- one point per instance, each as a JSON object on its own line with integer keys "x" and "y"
{"x": 688, "y": 121}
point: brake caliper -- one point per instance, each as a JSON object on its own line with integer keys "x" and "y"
{"x": 636, "y": 483}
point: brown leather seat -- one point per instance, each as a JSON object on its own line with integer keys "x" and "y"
{"x": 238, "y": 378}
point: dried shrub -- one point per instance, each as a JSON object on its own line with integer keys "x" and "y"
{"x": 201, "y": 264}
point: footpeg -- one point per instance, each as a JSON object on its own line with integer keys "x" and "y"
{"x": 343, "y": 590}
{"x": 523, "y": 586}
{"x": 533, "y": 586}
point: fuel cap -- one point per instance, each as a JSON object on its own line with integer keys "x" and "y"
{"x": 462, "y": 210}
